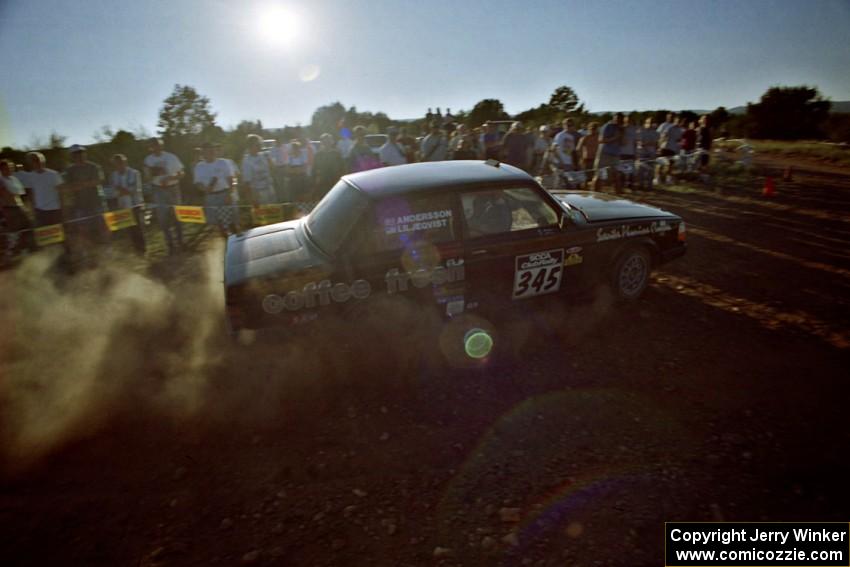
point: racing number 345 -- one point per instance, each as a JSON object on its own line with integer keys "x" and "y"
{"x": 538, "y": 273}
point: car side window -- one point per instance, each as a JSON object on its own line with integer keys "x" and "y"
{"x": 398, "y": 222}
{"x": 498, "y": 211}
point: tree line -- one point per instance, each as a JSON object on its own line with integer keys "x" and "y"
{"x": 186, "y": 119}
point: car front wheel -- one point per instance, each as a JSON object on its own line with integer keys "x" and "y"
{"x": 631, "y": 272}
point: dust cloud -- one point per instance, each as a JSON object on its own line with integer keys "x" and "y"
{"x": 77, "y": 350}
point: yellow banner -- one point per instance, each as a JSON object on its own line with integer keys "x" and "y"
{"x": 267, "y": 214}
{"x": 122, "y": 218}
{"x": 190, "y": 214}
{"x": 50, "y": 234}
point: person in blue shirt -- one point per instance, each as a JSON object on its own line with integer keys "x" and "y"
{"x": 608, "y": 154}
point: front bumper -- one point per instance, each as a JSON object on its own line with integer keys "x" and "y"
{"x": 674, "y": 252}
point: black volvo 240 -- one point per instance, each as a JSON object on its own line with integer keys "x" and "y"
{"x": 456, "y": 237}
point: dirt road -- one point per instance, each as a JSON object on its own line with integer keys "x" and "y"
{"x": 720, "y": 395}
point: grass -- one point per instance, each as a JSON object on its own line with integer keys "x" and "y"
{"x": 819, "y": 151}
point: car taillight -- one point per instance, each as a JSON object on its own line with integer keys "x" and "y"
{"x": 683, "y": 233}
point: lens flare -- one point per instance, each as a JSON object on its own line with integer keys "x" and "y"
{"x": 477, "y": 343}
{"x": 309, "y": 73}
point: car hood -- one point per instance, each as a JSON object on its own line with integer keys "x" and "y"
{"x": 601, "y": 207}
{"x": 270, "y": 250}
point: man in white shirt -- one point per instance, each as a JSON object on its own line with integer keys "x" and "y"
{"x": 44, "y": 185}
{"x": 214, "y": 177}
{"x": 566, "y": 144}
{"x": 391, "y": 153}
{"x": 126, "y": 184}
{"x": 164, "y": 170}
{"x": 257, "y": 173}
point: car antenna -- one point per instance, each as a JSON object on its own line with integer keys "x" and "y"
{"x": 493, "y": 162}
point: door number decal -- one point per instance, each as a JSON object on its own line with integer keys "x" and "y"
{"x": 538, "y": 273}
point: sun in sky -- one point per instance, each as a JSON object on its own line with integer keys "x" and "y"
{"x": 278, "y": 25}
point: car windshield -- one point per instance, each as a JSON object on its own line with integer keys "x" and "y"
{"x": 331, "y": 221}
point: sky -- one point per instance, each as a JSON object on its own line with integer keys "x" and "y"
{"x": 74, "y": 67}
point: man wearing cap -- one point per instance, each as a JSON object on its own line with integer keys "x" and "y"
{"x": 83, "y": 180}
{"x": 126, "y": 184}
{"x": 165, "y": 170}
{"x": 391, "y": 151}
{"x": 214, "y": 177}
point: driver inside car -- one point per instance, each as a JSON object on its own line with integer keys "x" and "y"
{"x": 491, "y": 214}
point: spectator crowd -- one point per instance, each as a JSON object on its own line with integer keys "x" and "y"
{"x": 618, "y": 153}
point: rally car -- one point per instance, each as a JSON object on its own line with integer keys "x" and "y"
{"x": 454, "y": 237}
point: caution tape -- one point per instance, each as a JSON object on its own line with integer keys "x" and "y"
{"x": 628, "y": 166}
{"x": 124, "y": 218}
{"x": 684, "y": 161}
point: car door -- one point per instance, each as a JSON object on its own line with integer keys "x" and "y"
{"x": 516, "y": 251}
{"x": 409, "y": 248}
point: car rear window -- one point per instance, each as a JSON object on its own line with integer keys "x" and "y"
{"x": 259, "y": 247}
{"x": 398, "y": 222}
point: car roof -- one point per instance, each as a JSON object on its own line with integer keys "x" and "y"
{"x": 431, "y": 176}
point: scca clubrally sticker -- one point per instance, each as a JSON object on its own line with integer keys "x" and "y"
{"x": 538, "y": 273}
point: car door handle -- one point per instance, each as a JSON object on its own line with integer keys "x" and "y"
{"x": 479, "y": 252}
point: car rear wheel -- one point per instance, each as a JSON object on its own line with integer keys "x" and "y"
{"x": 631, "y": 272}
